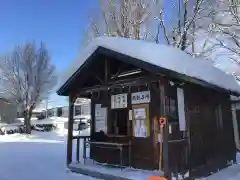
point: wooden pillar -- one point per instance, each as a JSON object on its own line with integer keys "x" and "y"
{"x": 167, "y": 172}
{"x": 92, "y": 125}
{"x": 235, "y": 127}
{"x": 106, "y": 73}
{"x": 107, "y": 96}
{"x": 70, "y": 130}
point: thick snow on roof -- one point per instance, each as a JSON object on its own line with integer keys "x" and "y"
{"x": 160, "y": 55}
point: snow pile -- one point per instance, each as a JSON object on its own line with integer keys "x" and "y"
{"x": 162, "y": 56}
{"x": 41, "y": 137}
{"x": 41, "y": 155}
{"x": 230, "y": 173}
{"x": 130, "y": 173}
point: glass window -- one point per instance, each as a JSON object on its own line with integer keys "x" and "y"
{"x": 119, "y": 119}
{"x": 77, "y": 110}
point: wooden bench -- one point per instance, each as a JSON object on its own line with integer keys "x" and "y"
{"x": 110, "y": 145}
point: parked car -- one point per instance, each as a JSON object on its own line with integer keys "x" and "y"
{"x": 89, "y": 120}
{"x": 82, "y": 126}
{"x": 41, "y": 116}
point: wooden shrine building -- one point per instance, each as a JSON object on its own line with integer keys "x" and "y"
{"x": 157, "y": 105}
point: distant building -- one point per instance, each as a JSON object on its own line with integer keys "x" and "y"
{"x": 8, "y": 111}
{"x": 81, "y": 108}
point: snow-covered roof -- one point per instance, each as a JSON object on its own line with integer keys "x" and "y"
{"x": 164, "y": 56}
{"x": 234, "y": 98}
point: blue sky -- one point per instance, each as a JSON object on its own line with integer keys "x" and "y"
{"x": 58, "y": 23}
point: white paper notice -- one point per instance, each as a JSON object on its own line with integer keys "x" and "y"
{"x": 135, "y": 131}
{"x": 170, "y": 129}
{"x": 181, "y": 109}
{"x": 140, "y": 113}
{"x": 138, "y": 124}
{"x": 130, "y": 115}
{"x": 119, "y": 101}
{"x": 142, "y": 131}
{"x": 112, "y": 102}
{"x": 141, "y": 97}
{"x": 160, "y": 137}
{"x": 100, "y": 118}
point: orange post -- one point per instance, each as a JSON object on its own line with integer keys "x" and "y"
{"x": 161, "y": 149}
{"x": 162, "y": 122}
{"x": 157, "y": 178}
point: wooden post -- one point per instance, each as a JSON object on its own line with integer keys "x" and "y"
{"x": 106, "y": 67}
{"x": 161, "y": 150}
{"x": 70, "y": 130}
{"x": 77, "y": 151}
{"x": 235, "y": 126}
{"x": 167, "y": 172}
{"x": 92, "y": 125}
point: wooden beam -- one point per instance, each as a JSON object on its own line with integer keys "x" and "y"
{"x": 101, "y": 81}
{"x": 106, "y": 67}
{"x": 167, "y": 172}
{"x": 235, "y": 126}
{"x": 92, "y": 124}
{"x": 115, "y": 76}
{"x": 120, "y": 83}
{"x": 70, "y": 129}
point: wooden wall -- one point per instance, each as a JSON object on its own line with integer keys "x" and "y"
{"x": 209, "y": 138}
{"x": 143, "y": 152}
{"x": 211, "y": 134}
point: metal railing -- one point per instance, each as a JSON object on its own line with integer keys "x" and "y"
{"x": 85, "y": 139}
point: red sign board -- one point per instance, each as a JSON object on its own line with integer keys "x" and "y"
{"x": 162, "y": 121}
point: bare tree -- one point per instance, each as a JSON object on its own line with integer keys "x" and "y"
{"x": 224, "y": 31}
{"x": 226, "y": 22}
{"x": 27, "y": 77}
{"x": 181, "y": 33}
{"x": 124, "y": 18}
{"x": 150, "y": 20}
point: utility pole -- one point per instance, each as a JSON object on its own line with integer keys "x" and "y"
{"x": 46, "y": 108}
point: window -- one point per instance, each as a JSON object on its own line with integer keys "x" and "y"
{"x": 86, "y": 109}
{"x": 172, "y": 108}
{"x": 50, "y": 113}
{"x": 59, "y": 112}
{"x": 77, "y": 110}
{"x": 119, "y": 119}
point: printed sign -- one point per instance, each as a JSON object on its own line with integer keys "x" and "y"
{"x": 119, "y": 101}
{"x": 181, "y": 109}
{"x": 130, "y": 115}
{"x": 162, "y": 121}
{"x": 141, "y": 97}
{"x": 100, "y": 118}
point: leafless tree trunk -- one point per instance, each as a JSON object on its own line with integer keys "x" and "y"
{"x": 184, "y": 23}
{"x": 226, "y": 22}
{"x": 125, "y": 18}
{"x": 146, "y": 20}
{"x": 27, "y": 76}
{"x": 224, "y": 28}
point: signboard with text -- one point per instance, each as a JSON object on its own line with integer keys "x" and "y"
{"x": 141, "y": 97}
{"x": 119, "y": 101}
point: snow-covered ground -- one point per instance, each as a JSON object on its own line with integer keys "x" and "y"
{"x": 229, "y": 173}
{"x": 41, "y": 155}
